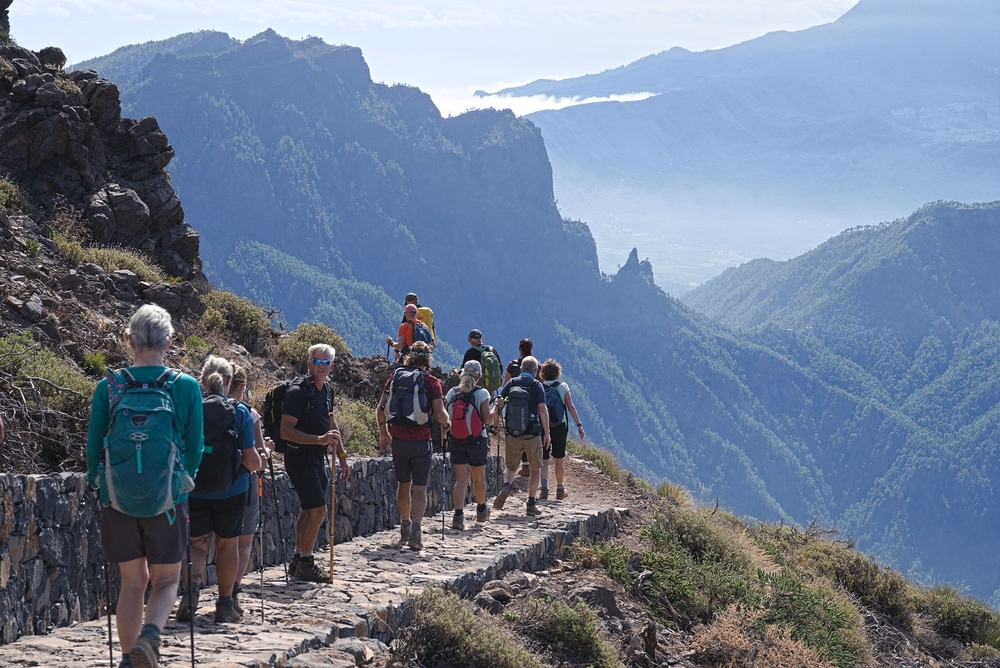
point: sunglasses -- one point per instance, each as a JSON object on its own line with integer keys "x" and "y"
{"x": 319, "y": 362}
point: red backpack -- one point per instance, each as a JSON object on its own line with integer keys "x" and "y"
{"x": 466, "y": 422}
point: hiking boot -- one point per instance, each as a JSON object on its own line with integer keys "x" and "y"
{"x": 525, "y": 471}
{"x": 560, "y": 493}
{"x": 483, "y": 516}
{"x": 145, "y": 653}
{"x": 404, "y": 530}
{"x": 309, "y": 571}
{"x": 501, "y": 497}
{"x": 532, "y": 509}
{"x": 226, "y": 612}
{"x": 415, "y": 542}
{"x": 543, "y": 493}
{"x": 188, "y": 606}
{"x": 237, "y": 590}
{"x": 458, "y": 522}
{"x": 125, "y": 662}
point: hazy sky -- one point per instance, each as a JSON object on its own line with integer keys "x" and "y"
{"x": 447, "y": 47}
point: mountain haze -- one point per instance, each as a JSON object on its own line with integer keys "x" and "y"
{"x": 331, "y": 196}
{"x": 770, "y": 146}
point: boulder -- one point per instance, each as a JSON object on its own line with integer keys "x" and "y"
{"x": 125, "y": 277}
{"x": 48, "y": 95}
{"x": 600, "y": 598}
{"x": 72, "y": 280}
{"x": 33, "y": 309}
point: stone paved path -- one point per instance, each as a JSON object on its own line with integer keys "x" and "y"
{"x": 374, "y": 579}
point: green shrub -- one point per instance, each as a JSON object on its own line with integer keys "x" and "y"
{"x": 11, "y": 197}
{"x": 197, "y": 345}
{"x": 446, "y": 631}
{"x": 213, "y": 320}
{"x": 114, "y": 258}
{"x": 861, "y": 576}
{"x": 570, "y": 629}
{"x": 244, "y": 319}
{"x": 57, "y": 383}
{"x": 958, "y": 616}
{"x": 292, "y": 349}
{"x": 69, "y": 87}
{"x": 32, "y": 246}
{"x": 599, "y": 457}
{"x": 359, "y": 419}
{"x": 94, "y": 364}
{"x": 674, "y": 493}
{"x": 71, "y": 251}
{"x": 815, "y": 614}
{"x": 8, "y": 74}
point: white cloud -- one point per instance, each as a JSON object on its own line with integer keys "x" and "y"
{"x": 453, "y": 101}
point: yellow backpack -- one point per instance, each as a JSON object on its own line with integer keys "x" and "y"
{"x": 426, "y": 316}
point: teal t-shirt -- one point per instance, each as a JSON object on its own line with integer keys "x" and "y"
{"x": 188, "y": 420}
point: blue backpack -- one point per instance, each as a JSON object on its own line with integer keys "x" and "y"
{"x": 421, "y": 332}
{"x": 557, "y": 409}
{"x": 141, "y": 473}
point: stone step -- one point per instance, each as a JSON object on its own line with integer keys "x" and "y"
{"x": 375, "y": 580}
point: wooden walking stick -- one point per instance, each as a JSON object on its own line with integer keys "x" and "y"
{"x": 333, "y": 512}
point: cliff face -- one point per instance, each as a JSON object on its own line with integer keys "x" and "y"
{"x": 63, "y": 138}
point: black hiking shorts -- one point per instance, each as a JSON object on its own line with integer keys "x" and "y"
{"x": 412, "y": 461}
{"x": 306, "y": 468}
{"x": 125, "y": 538}
{"x": 223, "y": 517}
{"x": 472, "y": 451}
{"x": 558, "y": 433}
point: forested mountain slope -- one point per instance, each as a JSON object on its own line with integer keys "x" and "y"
{"x": 768, "y": 147}
{"x": 331, "y": 196}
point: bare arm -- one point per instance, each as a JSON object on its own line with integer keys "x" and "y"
{"x": 251, "y": 459}
{"x": 293, "y": 435}
{"x": 576, "y": 416}
{"x": 440, "y": 414}
{"x": 543, "y": 415}
{"x": 345, "y": 469}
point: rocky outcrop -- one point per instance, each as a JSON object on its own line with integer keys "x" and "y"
{"x": 62, "y": 137}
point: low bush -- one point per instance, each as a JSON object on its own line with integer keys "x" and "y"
{"x": 674, "y": 493}
{"x": 599, "y": 457}
{"x": 32, "y": 246}
{"x": 445, "y": 631}
{"x": 110, "y": 258}
{"x": 739, "y": 638}
{"x": 357, "y": 420}
{"x": 815, "y": 614}
{"x": 30, "y": 369}
{"x": 69, "y": 87}
{"x": 292, "y": 349}
{"x": 959, "y": 616}
{"x": 240, "y": 317}
{"x": 11, "y": 197}
{"x": 569, "y": 629}
{"x": 197, "y": 345}
{"x": 94, "y": 364}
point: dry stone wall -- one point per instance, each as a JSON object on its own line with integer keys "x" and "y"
{"x": 51, "y": 564}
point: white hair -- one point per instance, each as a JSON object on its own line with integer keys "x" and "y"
{"x": 150, "y": 328}
{"x": 322, "y": 348}
{"x": 529, "y": 365}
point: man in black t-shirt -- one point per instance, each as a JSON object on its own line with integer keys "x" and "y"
{"x": 309, "y": 428}
{"x": 475, "y": 352}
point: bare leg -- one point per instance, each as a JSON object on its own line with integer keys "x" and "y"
{"x": 461, "y": 485}
{"x": 545, "y": 469}
{"x": 560, "y": 471}
{"x": 419, "y": 503}
{"x": 199, "y": 557}
{"x": 227, "y": 563}
{"x": 479, "y": 483}
{"x": 509, "y": 474}
{"x": 307, "y": 528}
{"x": 534, "y": 477}
{"x": 130, "y": 617}
{"x": 403, "y": 499}
{"x": 161, "y": 599}
{"x": 246, "y": 542}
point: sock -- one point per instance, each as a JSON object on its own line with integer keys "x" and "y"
{"x": 306, "y": 556}
{"x": 531, "y": 500}
{"x": 415, "y": 527}
{"x": 151, "y": 631}
{"x": 460, "y": 511}
{"x": 507, "y": 485}
{"x": 480, "y": 507}
{"x": 297, "y": 552}
{"x": 545, "y": 483}
{"x": 224, "y": 600}
{"x": 559, "y": 487}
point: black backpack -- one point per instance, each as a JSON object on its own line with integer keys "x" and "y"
{"x": 406, "y": 404}
{"x": 271, "y": 410}
{"x": 518, "y": 409}
{"x": 221, "y": 460}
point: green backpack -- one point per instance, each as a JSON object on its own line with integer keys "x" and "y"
{"x": 492, "y": 370}
{"x": 141, "y": 474}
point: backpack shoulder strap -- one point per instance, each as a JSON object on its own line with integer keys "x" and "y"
{"x": 129, "y": 378}
{"x": 167, "y": 379}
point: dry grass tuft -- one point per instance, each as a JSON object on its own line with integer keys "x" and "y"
{"x": 739, "y": 638}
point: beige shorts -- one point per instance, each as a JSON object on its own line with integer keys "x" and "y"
{"x": 531, "y": 446}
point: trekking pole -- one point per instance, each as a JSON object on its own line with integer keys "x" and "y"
{"x": 387, "y": 346}
{"x": 190, "y": 592}
{"x": 444, "y": 473}
{"x": 277, "y": 518}
{"x": 260, "y": 539}
{"x": 107, "y": 607}
{"x": 333, "y": 512}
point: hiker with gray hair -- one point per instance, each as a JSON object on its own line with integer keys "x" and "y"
{"x": 469, "y": 412}
{"x": 144, "y": 509}
{"x": 526, "y": 420}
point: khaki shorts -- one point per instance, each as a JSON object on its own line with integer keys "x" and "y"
{"x": 531, "y": 446}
